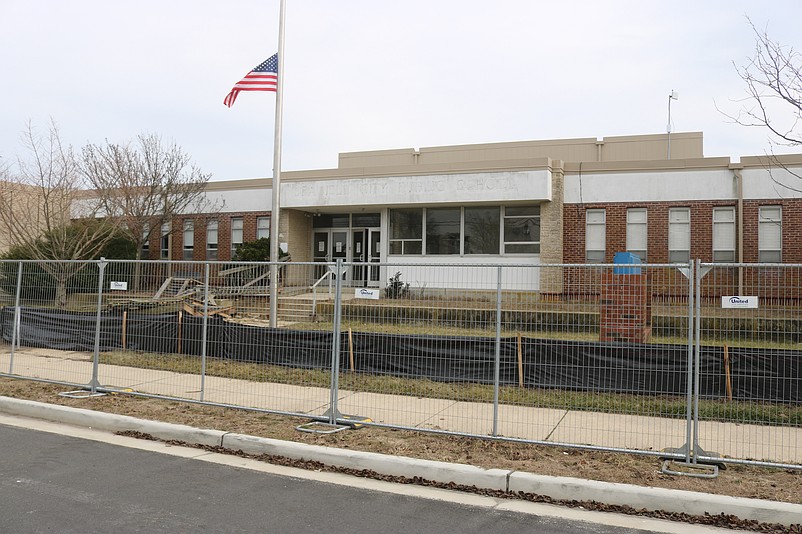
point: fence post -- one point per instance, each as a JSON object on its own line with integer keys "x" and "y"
{"x": 689, "y": 370}
{"x": 16, "y": 325}
{"x": 497, "y": 362}
{"x": 335, "y": 345}
{"x": 95, "y": 383}
{"x": 697, "y": 331}
{"x": 205, "y": 329}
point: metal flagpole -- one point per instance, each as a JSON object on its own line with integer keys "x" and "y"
{"x": 276, "y": 188}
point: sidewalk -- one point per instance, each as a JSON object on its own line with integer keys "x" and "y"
{"x": 642, "y": 432}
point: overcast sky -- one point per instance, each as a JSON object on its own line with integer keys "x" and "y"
{"x": 373, "y": 74}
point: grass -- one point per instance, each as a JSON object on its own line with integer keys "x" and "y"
{"x": 669, "y": 407}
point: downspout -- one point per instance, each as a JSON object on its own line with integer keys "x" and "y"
{"x": 739, "y": 187}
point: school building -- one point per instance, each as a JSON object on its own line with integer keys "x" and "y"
{"x": 564, "y": 201}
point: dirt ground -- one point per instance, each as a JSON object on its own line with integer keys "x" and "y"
{"x": 740, "y": 481}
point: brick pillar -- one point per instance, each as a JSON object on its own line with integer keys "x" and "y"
{"x": 625, "y": 308}
{"x": 551, "y": 234}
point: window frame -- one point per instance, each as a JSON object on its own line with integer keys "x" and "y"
{"x": 212, "y": 229}
{"x": 237, "y": 226}
{"x": 188, "y": 237}
{"x": 263, "y": 230}
{"x": 766, "y": 224}
{"x": 675, "y": 226}
{"x": 506, "y": 243}
{"x": 595, "y": 254}
{"x": 726, "y": 253}
{"x": 634, "y": 228}
{"x": 165, "y": 241}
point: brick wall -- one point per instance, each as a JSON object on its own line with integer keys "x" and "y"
{"x": 670, "y": 282}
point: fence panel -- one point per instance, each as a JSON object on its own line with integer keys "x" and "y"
{"x": 576, "y": 355}
{"x": 602, "y": 357}
{"x": 750, "y": 329}
{"x": 421, "y": 356}
{"x": 48, "y": 320}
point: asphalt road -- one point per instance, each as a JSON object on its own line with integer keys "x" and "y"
{"x": 57, "y": 483}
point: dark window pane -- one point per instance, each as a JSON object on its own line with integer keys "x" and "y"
{"x": 482, "y": 230}
{"x": 367, "y": 220}
{"x": 406, "y": 224}
{"x": 442, "y": 231}
{"x": 522, "y": 229}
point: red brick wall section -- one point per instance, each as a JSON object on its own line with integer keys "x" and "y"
{"x": 223, "y": 234}
{"x": 668, "y": 282}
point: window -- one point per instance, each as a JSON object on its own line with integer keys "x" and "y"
{"x": 145, "y": 241}
{"x": 595, "y": 235}
{"x": 482, "y": 230}
{"x": 724, "y": 234}
{"x": 164, "y": 252}
{"x": 443, "y": 231}
{"x": 770, "y": 233}
{"x": 406, "y": 231}
{"x": 236, "y": 234}
{"x": 637, "y": 232}
{"x": 263, "y": 227}
{"x": 679, "y": 235}
{"x": 211, "y": 240}
{"x": 189, "y": 239}
{"x": 462, "y": 231}
{"x": 522, "y": 230}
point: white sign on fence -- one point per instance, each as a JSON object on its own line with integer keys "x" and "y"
{"x": 738, "y": 302}
{"x": 119, "y": 286}
{"x": 365, "y": 293}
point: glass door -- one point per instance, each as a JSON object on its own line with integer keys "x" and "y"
{"x": 358, "y": 257}
{"x": 374, "y": 256}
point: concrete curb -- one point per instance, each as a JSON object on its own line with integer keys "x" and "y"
{"x": 560, "y": 488}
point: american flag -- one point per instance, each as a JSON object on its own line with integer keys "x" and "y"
{"x": 262, "y": 78}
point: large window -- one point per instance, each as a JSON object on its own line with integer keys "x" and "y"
{"x": 406, "y": 231}
{"x": 770, "y": 234}
{"x": 263, "y": 227}
{"x": 595, "y": 235}
{"x": 443, "y": 231}
{"x": 637, "y": 232}
{"x": 211, "y": 240}
{"x": 236, "y": 234}
{"x": 522, "y": 230}
{"x": 679, "y": 235}
{"x": 465, "y": 231}
{"x": 482, "y": 230}
{"x": 189, "y": 239}
{"x": 724, "y": 234}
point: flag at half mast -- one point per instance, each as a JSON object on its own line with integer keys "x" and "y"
{"x": 264, "y": 77}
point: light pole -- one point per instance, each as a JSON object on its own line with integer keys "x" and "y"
{"x": 673, "y": 95}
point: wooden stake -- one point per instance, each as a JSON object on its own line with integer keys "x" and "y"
{"x": 125, "y": 327}
{"x": 727, "y": 372}
{"x": 180, "y": 318}
{"x": 351, "y": 348}
{"x": 520, "y": 363}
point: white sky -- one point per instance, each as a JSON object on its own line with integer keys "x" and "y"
{"x": 371, "y": 74}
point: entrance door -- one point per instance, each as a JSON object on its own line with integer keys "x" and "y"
{"x": 358, "y": 257}
{"x": 329, "y": 246}
{"x": 374, "y": 256}
{"x": 365, "y": 250}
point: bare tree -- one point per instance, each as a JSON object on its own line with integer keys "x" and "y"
{"x": 144, "y": 184}
{"x": 773, "y": 79}
{"x": 38, "y": 202}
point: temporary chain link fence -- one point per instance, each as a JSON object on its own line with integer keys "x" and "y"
{"x": 697, "y": 363}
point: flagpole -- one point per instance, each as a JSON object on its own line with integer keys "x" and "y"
{"x": 276, "y": 187}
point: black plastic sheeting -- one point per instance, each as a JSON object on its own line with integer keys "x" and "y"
{"x": 769, "y": 375}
